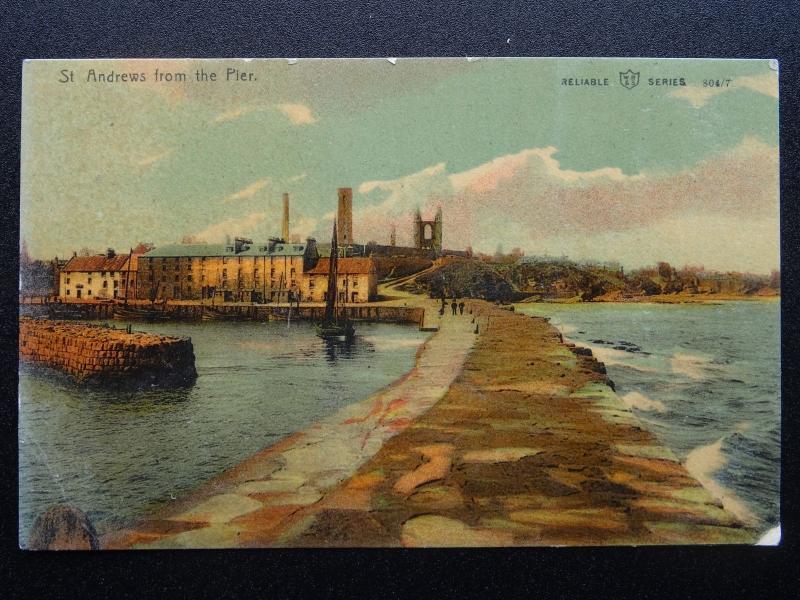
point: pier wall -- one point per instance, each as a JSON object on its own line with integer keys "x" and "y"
{"x": 501, "y": 435}
{"x": 260, "y": 312}
{"x": 256, "y": 312}
{"x": 92, "y": 353}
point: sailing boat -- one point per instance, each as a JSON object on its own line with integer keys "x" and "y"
{"x": 332, "y": 326}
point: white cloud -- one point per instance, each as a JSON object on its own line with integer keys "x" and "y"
{"x": 489, "y": 176}
{"x": 249, "y": 191}
{"x": 298, "y": 114}
{"x": 232, "y": 227}
{"x": 154, "y": 158}
{"x": 526, "y": 199}
{"x": 303, "y": 227}
{"x": 698, "y": 96}
{"x": 234, "y": 113}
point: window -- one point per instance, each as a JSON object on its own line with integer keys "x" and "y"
{"x": 224, "y": 273}
{"x": 68, "y": 293}
{"x": 255, "y": 272}
{"x": 355, "y": 282}
{"x": 163, "y": 266}
{"x": 102, "y": 273}
{"x": 89, "y": 293}
{"x": 188, "y": 278}
{"x": 105, "y": 283}
{"x": 311, "y": 284}
{"x": 67, "y": 279}
{"x": 177, "y": 278}
{"x": 292, "y": 272}
{"x": 90, "y": 280}
{"x": 116, "y": 284}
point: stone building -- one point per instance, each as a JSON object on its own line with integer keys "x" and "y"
{"x": 344, "y": 218}
{"x": 238, "y": 271}
{"x": 101, "y": 277}
{"x": 428, "y": 234}
{"x": 358, "y": 280}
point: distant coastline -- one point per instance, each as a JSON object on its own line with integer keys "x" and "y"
{"x": 663, "y": 299}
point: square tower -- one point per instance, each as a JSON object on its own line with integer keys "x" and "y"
{"x": 344, "y": 219}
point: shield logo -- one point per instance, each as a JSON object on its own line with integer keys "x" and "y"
{"x": 629, "y": 79}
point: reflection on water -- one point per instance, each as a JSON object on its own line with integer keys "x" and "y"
{"x": 343, "y": 349}
{"x": 116, "y": 453}
{"x": 705, "y": 379}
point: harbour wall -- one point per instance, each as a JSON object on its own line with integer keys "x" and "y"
{"x": 257, "y": 312}
{"x": 97, "y": 354}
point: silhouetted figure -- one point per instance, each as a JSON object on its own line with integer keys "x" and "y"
{"x": 461, "y": 308}
{"x": 454, "y": 306}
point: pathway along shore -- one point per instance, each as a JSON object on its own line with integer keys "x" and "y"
{"x": 508, "y": 437}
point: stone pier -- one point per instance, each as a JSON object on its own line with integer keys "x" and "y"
{"x": 501, "y": 435}
{"x": 97, "y": 354}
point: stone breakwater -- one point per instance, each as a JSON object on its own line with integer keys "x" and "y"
{"x": 505, "y": 438}
{"x": 97, "y": 354}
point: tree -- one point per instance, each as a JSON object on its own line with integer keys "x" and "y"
{"x": 775, "y": 279}
{"x": 665, "y": 270}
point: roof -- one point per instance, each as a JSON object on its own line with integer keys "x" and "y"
{"x": 259, "y": 249}
{"x": 99, "y": 262}
{"x": 346, "y": 266}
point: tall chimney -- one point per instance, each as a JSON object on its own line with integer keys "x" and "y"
{"x": 344, "y": 224}
{"x": 285, "y": 229}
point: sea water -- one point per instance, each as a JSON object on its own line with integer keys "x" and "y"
{"x": 116, "y": 455}
{"x": 704, "y": 378}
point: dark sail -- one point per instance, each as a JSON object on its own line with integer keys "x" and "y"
{"x": 330, "y": 305}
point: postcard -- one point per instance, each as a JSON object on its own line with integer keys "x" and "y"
{"x": 399, "y": 302}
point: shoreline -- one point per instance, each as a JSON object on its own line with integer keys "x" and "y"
{"x": 485, "y": 442}
{"x": 663, "y": 299}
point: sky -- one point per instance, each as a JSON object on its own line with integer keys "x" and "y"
{"x": 686, "y": 174}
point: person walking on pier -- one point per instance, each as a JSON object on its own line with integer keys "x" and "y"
{"x": 454, "y": 306}
{"x": 461, "y": 307}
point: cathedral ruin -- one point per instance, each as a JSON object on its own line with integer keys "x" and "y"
{"x": 428, "y": 234}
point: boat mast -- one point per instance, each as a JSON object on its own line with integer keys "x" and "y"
{"x": 128, "y": 276}
{"x": 330, "y": 304}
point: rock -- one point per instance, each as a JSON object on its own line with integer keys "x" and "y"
{"x": 63, "y": 528}
{"x": 495, "y": 455}
{"x": 437, "y": 531}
